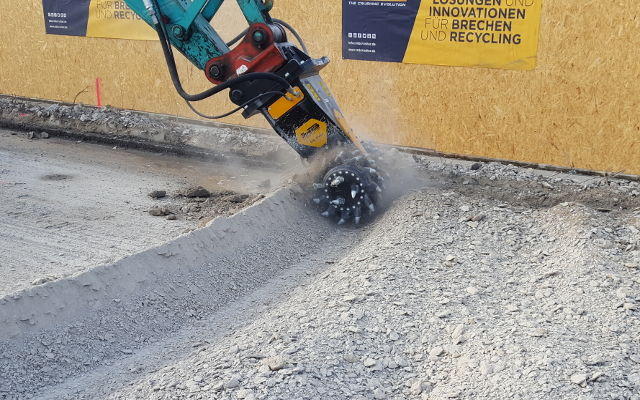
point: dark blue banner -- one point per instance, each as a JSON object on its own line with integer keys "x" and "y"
{"x": 377, "y": 30}
{"x": 66, "y": 17}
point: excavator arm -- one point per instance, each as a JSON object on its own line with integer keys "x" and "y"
{"x": 266, "y": 74}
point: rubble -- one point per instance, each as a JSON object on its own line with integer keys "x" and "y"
{"x": 425, "y": 302}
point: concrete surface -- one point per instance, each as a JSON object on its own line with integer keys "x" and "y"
{"x": 67, "y": 206}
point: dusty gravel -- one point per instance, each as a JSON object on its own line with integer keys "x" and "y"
{"x": 494, "y": 282}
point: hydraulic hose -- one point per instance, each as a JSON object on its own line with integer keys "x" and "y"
{"x": 235, "y": 110}
{"x": 237, "y": 38}
{"x": 293, "y": 32}
{"x": 175, "y": 78}
{"x": 277, "y": 21}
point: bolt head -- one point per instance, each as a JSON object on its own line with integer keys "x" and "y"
{"x": 177, "y": 31}
{"x": 215, "y": 71}
{"x": 259, "y": 36}
{"x": 236, "y": 95}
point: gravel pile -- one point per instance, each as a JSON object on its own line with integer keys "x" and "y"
{"x": 445, "y": 297}
{"x": 492, "y": 282}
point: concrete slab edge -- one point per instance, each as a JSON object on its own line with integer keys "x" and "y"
{"x": 136, "y": 129}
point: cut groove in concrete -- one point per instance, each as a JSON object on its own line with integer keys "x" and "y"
{"x": 114, "y": 309}
{"x": 166, "y": 268}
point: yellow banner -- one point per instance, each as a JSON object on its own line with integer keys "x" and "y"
{"x": 476, "y": 33}
{"x": 114, "y": 19}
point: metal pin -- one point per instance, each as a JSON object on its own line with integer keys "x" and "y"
{"x": 369, "y": 204}
{"x": 331, "y": 211}
{"x": 344, "y": 215}
{"x": 354, "y": 191}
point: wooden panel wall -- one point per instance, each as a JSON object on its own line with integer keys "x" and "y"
{"x": 579, "y": 108}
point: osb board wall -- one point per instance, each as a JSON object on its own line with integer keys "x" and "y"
{"x": 579, "y": 108}
{"x": 133, "y": 73}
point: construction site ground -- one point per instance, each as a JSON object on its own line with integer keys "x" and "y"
{"x": 66, "y": 206}
{"x": 478, "y": 281}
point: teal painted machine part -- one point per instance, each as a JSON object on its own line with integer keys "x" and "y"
{"x": 256, "y": 11}
{"x": 211, "y": 9}
{"x": 200, "y": 42}
{"x": 195, "y": 9}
